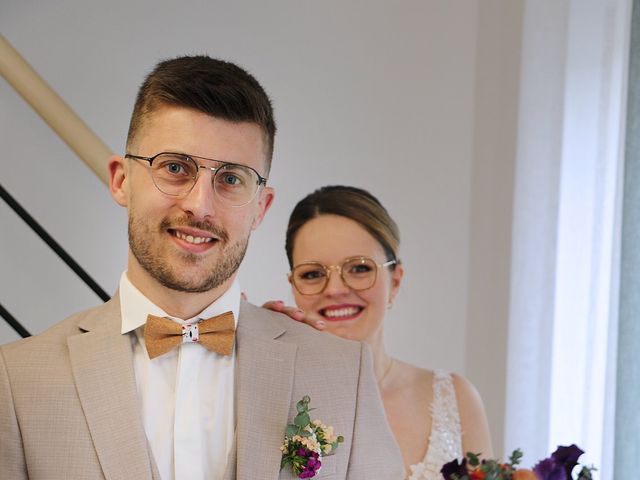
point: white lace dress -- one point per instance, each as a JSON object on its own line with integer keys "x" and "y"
{"x": 445, "y": 441}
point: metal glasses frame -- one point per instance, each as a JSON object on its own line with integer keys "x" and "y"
{"x": 262, "y": 181}
{"x": 329, "y": 268}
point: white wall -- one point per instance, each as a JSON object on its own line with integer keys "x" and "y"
{"x": 492, "y": 189}
{"x": 382, "y": 95}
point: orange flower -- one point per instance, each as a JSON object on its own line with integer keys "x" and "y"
{"x": 477, "y": 475}
{"x": 523, "y": 474}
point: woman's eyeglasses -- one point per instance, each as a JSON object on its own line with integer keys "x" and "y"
{"x": 357, "y": 273}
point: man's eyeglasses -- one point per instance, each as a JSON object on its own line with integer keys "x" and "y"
{"x": 176, "y": 173}
{"x": 358, "y": 273}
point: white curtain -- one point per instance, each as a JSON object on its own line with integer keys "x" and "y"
{"x": 627, "y": 425}
{"x": 565, "y": 255}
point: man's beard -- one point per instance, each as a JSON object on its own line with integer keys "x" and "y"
{"x": 158, "y": 263}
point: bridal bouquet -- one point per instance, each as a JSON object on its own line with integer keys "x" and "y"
{"x": 306, "y": 442}
{"x": 559, "y": 466}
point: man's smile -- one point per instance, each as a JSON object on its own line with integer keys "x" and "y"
{"x": 193, "y": 240}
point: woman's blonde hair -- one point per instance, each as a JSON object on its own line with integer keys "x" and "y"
{"x": 349, "y": 202}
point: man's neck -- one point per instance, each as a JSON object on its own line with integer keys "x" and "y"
{"x": 175, "y": 303}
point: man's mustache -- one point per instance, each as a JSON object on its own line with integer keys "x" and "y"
{"x": 217, "y": 231}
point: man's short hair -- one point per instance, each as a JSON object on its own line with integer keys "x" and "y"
{"x": 215, "y": 87}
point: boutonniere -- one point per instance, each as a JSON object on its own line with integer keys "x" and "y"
{"x": 306, "y": 441}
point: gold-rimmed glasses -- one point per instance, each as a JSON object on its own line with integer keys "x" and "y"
{"x": 357, "y": 273}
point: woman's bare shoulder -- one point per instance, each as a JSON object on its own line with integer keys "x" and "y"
{"x": 476, "y": 436}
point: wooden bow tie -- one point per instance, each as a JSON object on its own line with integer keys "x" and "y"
{"x": 216, "y": 334}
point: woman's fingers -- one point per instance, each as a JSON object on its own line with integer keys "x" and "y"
{"x": 275, "y": 305}
{"x": 294, "y": 313}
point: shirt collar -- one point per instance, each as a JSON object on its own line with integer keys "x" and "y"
{"x": 134, "y": 306}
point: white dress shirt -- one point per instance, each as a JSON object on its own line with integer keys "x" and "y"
{"x": 186, "y": 395}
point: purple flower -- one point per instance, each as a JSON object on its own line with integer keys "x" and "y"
{"x": 560, "y": 464}
{"x": 301, "y": 452}
{"x": 549, "y": 469}
{"x": 567, "y": 457}
{"x": 313, "y": 464}
{"x": 454, "y": 468}
{"x": 310, "y": 468}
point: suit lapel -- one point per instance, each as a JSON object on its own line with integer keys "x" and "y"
{"x": 263, "y": 393}
{"x": 102, "y": 365}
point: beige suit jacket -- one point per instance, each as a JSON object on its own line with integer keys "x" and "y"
{"x": 69, "y": 407}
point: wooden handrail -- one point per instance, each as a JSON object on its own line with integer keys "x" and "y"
{"x": 53, "y": 110}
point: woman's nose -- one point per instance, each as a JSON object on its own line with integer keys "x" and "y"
{"x": 335, "y": 283}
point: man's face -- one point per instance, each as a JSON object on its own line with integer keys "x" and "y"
{"x": 189, "y": 243}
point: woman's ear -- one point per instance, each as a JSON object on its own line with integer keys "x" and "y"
{"x": 396, "y": 279}
{"x": 118, "y": 184}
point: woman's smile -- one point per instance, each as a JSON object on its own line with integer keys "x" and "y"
{"x": 338, "y": 313}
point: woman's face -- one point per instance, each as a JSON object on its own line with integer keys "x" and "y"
{"x": 356, "y": 315}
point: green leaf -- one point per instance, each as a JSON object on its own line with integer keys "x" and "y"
{"x": 291, "y": 430}
{"x": 338, "y": 441}
{"x": 303, "y": 405}
{"x": 474, "y": 461}
{"x": 302, "y": 420}
{"x": 585, "y": 473}
{"x": 515, "y": 457}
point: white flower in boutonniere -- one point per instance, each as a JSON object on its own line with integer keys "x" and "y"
{"x": 305, "y": 442}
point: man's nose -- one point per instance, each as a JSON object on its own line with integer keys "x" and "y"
{"x": 201, "y": 201}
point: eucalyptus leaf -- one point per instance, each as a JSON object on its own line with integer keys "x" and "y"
{"x": 302, "y": 420}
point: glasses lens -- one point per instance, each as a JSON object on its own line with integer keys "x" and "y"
{"x": 309, "y": 278}
{"x": 359, "y": 273}
{"x": 236, "y": 184}
{"x": 174, "y": 174}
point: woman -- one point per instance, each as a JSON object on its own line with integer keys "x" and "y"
{"x": 342, "y": 247}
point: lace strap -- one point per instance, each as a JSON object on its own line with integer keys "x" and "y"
{"x": 445, "y": 441}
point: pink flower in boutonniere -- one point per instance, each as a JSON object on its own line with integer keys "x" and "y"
{"x": 305, "y": 442}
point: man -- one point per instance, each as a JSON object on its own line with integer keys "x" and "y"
{"x": 142, "y": 387}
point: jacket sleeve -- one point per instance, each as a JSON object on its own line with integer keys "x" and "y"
{"x": 374, "y": 451}
{"x": 12, "y": 461}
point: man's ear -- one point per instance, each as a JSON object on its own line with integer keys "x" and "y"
{"x": 118, "y": 184}
{"x": 264, "y": 202}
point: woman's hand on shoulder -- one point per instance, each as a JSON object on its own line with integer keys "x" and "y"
{"x": 293, "y": 312}
{"x": 476, "y": 436}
